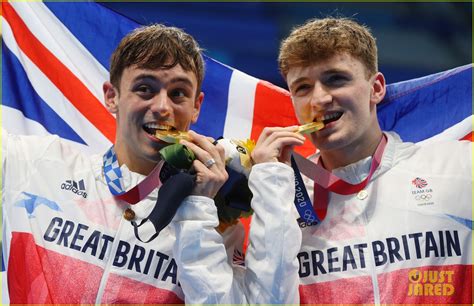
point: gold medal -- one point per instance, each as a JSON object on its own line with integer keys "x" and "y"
{"x": 309, "y": 128}
{"x": 171, "y": 136}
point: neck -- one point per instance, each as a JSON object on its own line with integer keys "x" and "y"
{"x": 337, "y": 158}
{"x": 135, "y": 164}
{"x": 143, "y": 167}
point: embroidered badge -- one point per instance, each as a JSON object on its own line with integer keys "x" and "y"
{"x": 422, "y": 193}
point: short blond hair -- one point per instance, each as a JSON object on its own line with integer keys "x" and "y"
{"x": 320, "y": 39}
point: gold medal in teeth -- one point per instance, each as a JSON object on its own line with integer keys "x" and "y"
{"x": 311, "y": 127}
{"x": 174, "y": 136}
{"x": 171, "y": 136}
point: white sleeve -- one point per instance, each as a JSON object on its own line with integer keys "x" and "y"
{"x": 20, "y": 152}
{"x": 275, "y": 237}
{"x": 204, "y": 272}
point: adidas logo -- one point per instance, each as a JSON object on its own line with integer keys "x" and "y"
{"x": 76, "y": 187}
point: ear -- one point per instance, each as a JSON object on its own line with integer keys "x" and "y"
{"x": 378, "y": 88}
{"x": 110, "y": 97}
{"x": 197, "y": 107}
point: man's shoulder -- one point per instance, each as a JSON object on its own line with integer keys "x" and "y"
{"x": 431, "y": 148}
{"x": 35, "y": 147}
{"x": 443, "y": 156}
{"x": 27, "y": 145}
{"x": 443, "y": 149}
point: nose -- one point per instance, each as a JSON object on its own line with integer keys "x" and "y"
{"x": 321, "y": 96}
{"x": 160, "y": 104}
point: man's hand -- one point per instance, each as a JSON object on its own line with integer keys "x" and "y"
{"x": 209, "y": 165}
{"x": 276, "y": 144}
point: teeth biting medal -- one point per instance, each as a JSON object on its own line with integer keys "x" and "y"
{"x": 311, "y": 127}
{"x": 171, "y": 136}
{"x": 174, "y": 136}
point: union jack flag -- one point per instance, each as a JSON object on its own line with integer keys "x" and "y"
{"x": 53, "y": 68}
{"x": 419, "y": 182}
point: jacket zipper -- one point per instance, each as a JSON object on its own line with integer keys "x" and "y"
{"x": 108, "y": 266}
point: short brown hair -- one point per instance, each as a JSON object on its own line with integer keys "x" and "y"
{"x": 157, "y": 46}
{"x": 320, "y": 39}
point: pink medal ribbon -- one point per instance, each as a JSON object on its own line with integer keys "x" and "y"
{"x": 175, "y": 186}
{"x": 113, "y": 177}
{"x": 144, "y": 188}
{"x": 325, "y": 181}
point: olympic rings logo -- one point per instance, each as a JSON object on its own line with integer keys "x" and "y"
{"x": 423, "y": 197}
{"x": 309, "y": 217}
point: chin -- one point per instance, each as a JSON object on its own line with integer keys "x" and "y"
{"x": 152, "y": 157}
{"x": 329, "y": 142}
{"x": 150, "y": 149}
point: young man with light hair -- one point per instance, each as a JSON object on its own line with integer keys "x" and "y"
{"x": 366, "y": 238}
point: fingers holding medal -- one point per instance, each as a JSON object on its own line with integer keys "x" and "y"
{"x": 276, "y": 144}
{"x": 209, "y": 164}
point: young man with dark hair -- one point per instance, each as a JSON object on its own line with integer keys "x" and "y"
{"x": 68, "y": 235}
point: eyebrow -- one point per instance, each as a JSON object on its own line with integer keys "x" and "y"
{"x": 326, "y": 72}
{"x": 335, "y": 70}
{"x": 151, "y": 77}
{"x": 185, "y": 80}
{"x": 298, "y": 80}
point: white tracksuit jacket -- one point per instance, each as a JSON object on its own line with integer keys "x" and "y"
{"x": 65, "y": 239}
{"x": 408, "y": 240}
